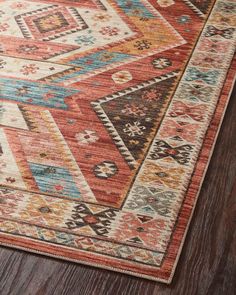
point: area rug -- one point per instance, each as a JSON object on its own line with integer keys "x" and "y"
{"x": 109, "y": 114}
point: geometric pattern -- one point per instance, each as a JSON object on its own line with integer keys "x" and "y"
{"x": 98, "y": 221}
{"x": 124, "y": 115}
{"x": 107, "y": 117}
{"x": 199, "y": 7}
{"x": 180, "y": 154}
{"x": 50, "y": 23}
{"x": 54, "y": 179}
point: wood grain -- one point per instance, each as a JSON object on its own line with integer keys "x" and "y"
{"x": 207, "y": 264}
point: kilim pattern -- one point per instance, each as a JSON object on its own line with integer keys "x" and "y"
{"x": 109, "y": 110}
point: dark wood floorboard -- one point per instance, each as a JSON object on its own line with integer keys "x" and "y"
{"x": 207, "y": 264}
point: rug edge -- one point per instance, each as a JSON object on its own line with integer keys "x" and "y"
{"x": 233, "y": 84}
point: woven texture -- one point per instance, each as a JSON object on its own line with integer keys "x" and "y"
{"x": 109, "y": 111}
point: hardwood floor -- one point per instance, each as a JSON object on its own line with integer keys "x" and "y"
{"x": 207, "y": 264}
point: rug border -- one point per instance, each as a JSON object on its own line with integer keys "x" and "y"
{"x": 211, "y": 151}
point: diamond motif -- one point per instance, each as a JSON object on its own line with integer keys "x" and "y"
{"x": 50, "y": 23}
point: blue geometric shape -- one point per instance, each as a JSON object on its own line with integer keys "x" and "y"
{"x": 210, "y": 77}
{"x": 135, "y": 8}
{"x": 35, "y": 93}
{"x": 99, "y": 59}
{"x": 93, "y": 62}
{"x": 52, "y": 179}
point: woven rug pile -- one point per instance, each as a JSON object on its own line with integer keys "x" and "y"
{"x": 109, "y": 112}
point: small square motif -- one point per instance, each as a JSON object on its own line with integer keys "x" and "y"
{"x": 51, "y": 22}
